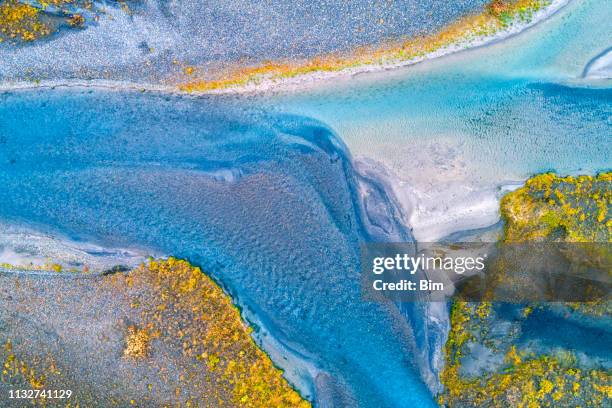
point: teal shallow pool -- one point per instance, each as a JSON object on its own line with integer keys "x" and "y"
{"x": 451, "y": 131}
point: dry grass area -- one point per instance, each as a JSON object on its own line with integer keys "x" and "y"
{"x": 162, "y": 334}
{"x": 22, "y": 22}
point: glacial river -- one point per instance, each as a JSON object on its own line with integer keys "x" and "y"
{"x": 264, "y": 192}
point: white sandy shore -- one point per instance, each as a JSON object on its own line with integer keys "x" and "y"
{"x": 453, "y": 208}
{"x": 30, "y": 250}
{"x": 433, "y": 211}
{"x": 302, "y": 81}
{"x": 298, "y": 369}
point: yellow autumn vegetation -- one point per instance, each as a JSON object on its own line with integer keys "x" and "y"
{"x": 496, "y": 17}
{"x": 137, "y": 343}
{"x": 526, "y": 380}
{"x": 548, "y": 208}
{"x": 184, "y": 309}
{"x": 178, "y": 324}
{"x": 14, "y": 368}
{"x": 570, "y": 209}
{"x": 21, "y": 22}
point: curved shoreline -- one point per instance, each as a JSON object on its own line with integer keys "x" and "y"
{"x": 468, "y": 33}
{"x": 299, "y": 371}
{"x": 260, "y": 83}
{"x": 146, "y": 291}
